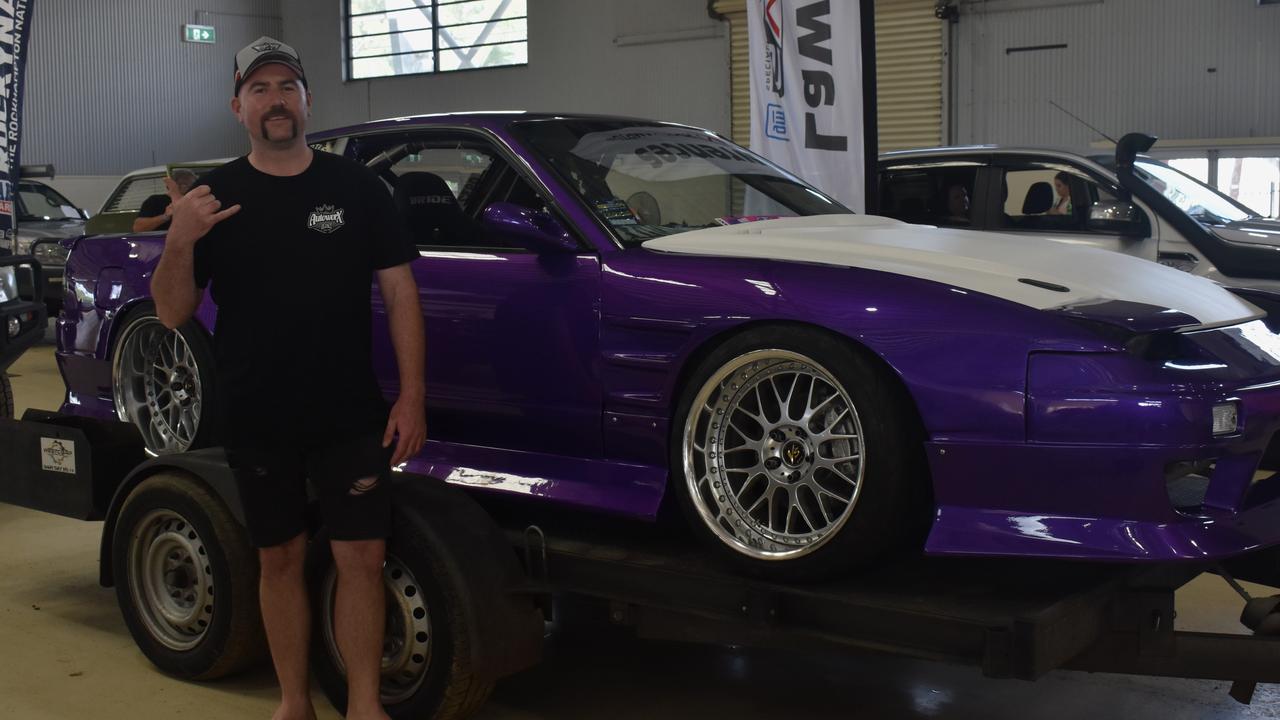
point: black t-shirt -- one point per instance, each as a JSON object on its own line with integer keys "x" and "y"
{"x": 291, "y": 275}
{"x": 154, "y": 206}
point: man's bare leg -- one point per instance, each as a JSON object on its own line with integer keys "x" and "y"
{"x": 360, "y": 623}
{"x": 282, "y": 591}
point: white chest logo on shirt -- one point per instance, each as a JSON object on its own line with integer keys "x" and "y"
{"x": 325, "y": 219}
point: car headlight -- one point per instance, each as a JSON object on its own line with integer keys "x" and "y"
{"x": 8, "y": 284}
{"x": 24, "y": 244}
{"x": 50, "y": 253}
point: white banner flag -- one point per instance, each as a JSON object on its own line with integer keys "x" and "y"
{"x": 806, "y": 92}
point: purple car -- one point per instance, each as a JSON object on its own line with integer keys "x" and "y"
{"x": 623, "y": 313}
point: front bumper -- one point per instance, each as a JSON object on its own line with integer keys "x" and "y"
{"x": 1120, "y": 460}
{"x": 26, "y": 316}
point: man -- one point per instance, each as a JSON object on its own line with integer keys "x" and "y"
{"x": 157, "y": 210}
{"x": 288, "y": 239}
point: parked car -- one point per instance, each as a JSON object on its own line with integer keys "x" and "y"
{"x": 121, "y": 206}
{"x": 621, "y": 313}
{"x": 1124, "y": 202}
{"x": 45, "y": 219}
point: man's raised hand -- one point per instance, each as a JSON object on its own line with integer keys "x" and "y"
{"x": 195, "y": 214}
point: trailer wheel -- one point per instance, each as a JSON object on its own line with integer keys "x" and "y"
{"x": 796, "y": 456}
{"x": 187, "y": 579}
{"x": 6, "y": 396}
{"x": 427, "y": 665}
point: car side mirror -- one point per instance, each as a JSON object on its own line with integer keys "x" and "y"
{"x": 534, "y": 230}
{"x": 1116, "y": 217}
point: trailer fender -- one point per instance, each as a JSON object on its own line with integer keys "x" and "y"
{"x": 208, "y": 466}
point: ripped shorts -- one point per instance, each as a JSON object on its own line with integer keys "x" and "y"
{"x": 350, "y": 476}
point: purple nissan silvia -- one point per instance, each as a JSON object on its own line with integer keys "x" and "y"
{"x": 622, "y": 313}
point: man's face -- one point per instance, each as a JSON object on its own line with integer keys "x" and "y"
{"x": 273, "y": 105}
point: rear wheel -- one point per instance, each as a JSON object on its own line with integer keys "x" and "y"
{"x": 796, "y": 455}
{"x": 161, "y": 380}
{"x": 427, "y": 666}
{"x": 187, "y": 579}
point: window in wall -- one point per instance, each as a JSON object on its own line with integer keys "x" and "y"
{"x": 1253, "y": 182}
{"x": 408, "y": 37}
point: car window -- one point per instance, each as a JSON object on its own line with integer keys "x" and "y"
{"x": 441, "y": 183}
{"x": 645, "y": 180}
{"x": 38, "y": 202}
{"x": 933, "y": 194}
{"x": 1049, "y": 197}
{"x": 129, "y": 196}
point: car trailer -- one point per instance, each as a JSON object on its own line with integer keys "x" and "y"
{"x": 471, "y": 581}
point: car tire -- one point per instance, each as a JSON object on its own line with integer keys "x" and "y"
{"x": 6, "y": 396}
{"x": 162, "y": 382}
{"x": 797, "y": 455}
{"x": 428, "y": 668}
{"x": 187, "y": 579}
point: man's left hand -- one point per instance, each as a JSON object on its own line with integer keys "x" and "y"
{"x": 408, "y": 420}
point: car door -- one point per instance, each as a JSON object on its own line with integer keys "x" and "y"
{"x": 1054, "y": 199}
{"x": 511, "y": 335}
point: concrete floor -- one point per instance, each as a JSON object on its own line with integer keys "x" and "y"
{"x": 65, "y": 653}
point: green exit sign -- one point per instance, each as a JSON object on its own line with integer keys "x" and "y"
{"x": 198, "y": 33}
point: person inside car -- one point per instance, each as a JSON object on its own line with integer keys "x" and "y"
{"x": 1061, "y": 185}
{"x": 957, "y": 205}
{"x": 157, "y": 210}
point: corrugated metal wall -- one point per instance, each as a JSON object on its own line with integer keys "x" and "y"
{"x": 111, "y": 86}
{"x": 1174, "y": 68}
{"x": 908, "y": 74}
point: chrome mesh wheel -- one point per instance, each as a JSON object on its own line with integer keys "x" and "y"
{"x": 406, "y": 645}
{"x": 773, "y": 454}
{"x": 155, "y": 380}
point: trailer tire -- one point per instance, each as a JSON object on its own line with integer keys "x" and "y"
{"x": 6, "y": 396}
{"x": 187, "y": 579}
{"x": 437, "y": 677}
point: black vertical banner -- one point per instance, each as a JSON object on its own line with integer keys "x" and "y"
{"x": 15, "y": 30}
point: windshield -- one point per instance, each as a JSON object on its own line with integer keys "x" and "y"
{"x": 1199, "y": 201}
{"x": 38, "y": 202}
{"x": 647, "y": 180}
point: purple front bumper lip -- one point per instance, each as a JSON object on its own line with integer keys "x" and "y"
{"x": 1216, "y": 535}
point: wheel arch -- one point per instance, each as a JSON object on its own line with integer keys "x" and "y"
{"x": 205, "y": 467}
{"x": 709, "y": 345}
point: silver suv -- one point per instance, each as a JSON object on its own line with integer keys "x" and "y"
{"x": 1126, "y": 202}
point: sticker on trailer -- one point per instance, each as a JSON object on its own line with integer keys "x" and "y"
{"x": 58, "y": 455}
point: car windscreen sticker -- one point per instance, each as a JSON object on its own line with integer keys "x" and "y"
{"x": 739, "y": 219}
{"x": 664, "y": 154}
{"x": 616, "y": 212}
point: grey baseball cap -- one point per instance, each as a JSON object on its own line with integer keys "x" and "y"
{"x": 262, "y": 51}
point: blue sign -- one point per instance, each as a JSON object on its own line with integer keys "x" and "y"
{"x": 775, "y": 122}
{"x": 15, "y": 28}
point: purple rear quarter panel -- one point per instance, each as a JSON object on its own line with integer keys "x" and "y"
{"x": 557, "y": 375}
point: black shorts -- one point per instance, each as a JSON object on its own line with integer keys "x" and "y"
{"x": 273, "y": 487}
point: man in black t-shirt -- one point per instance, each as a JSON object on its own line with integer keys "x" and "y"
{"x": 288, "y": 239}
{"x": 155, "y": 212}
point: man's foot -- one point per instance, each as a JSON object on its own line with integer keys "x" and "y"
{"x": 376, "y": 713}
{"x": 294, "y": 712}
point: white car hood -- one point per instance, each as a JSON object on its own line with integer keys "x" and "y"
{"x": 984, "y": 262}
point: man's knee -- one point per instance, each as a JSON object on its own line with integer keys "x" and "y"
{"x": 287, "y": 558}
{"x": 360, "y": 556}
